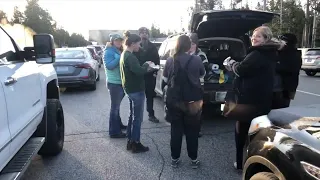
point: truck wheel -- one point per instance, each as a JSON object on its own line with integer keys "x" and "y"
{"x": 55, "y": 129}
{"x": 264, "y": 176}
{"x": 311, "y": 73}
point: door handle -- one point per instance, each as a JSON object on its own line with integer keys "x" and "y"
{"x": 9, "y": 81}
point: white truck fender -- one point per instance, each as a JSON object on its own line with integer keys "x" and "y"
{"x": 47, "y": 74}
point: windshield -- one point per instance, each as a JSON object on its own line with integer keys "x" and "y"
{"x": 70, "y": 54}
{"x": 313, "y": 52}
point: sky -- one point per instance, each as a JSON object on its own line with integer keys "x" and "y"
{"x": 80, "y": 16}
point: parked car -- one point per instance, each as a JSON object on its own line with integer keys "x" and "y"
{"x": 284, "y": 145}
{"x": 220, "y": 36}
{"x": 31, "y": 115}
{"x": 95, "y": 55}
{"x": 311, "y": 61}
{"x": 76, "y": 67}
{"x": 98, "y": 48}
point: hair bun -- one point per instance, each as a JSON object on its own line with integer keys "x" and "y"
{"x": 126, "y": 33}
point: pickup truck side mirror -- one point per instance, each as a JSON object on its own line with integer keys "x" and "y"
{"x": 44, "y": 48}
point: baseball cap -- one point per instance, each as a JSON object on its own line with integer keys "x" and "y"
{"x": 114, "y": 37}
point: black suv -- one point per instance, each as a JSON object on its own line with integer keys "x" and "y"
{"x": 221, "y": 34}
{"x": 284, "y": 145}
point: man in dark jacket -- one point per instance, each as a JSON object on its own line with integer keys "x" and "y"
{"x": 149, "y": 52}
{"x": 288, "y": 68}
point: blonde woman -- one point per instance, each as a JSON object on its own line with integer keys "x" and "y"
{"x": 253, "y": 85}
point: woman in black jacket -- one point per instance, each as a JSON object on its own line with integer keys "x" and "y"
{"x": 253, "y": 86}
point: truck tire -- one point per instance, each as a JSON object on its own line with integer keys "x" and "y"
{"x": 54, "y": 129}
{"x": 264, "y": 176}
{"x": 311, "y": 73}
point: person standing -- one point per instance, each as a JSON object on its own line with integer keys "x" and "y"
{"x": 149, "y": 52}
{"x": 132, "y": 77}
{"x": 288, "y": 69}
{"x": 111, "y": 62}
{"x": 182, "y": 74}
{"x": 253, "y": 86}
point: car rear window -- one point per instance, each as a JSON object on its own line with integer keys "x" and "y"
{"x": 313, "y": 52}
{"x": 70, "y": 54}
{"x": 98, "y": 48}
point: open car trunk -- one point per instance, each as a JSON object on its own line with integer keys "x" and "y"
{"x": 217, "y": 50}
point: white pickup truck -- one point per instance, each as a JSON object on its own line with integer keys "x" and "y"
{"x": 31, "y": 116}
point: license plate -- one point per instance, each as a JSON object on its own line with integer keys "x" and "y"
{"x": 220, "y": 96}
{"x": 62, "y": 69}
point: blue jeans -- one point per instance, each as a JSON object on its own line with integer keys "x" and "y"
{"x": 116, "y": 96}
{"x": 136, "y": 101}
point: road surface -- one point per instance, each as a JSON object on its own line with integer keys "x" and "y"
{"x": 89, "y": 154}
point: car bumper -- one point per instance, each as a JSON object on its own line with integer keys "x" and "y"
{"x": 310, "y": 68}
{"x": 74, "y": 82}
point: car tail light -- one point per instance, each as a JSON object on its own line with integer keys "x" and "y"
{"x": 85, "y": 66}
{"x": 311, "y": 170}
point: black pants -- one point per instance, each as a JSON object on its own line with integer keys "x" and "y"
{"x": 240, "y": 138}
{"x": 150, "y": 84}
{"x": 181, "y": 123}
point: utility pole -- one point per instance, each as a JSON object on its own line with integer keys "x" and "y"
{"x": 281, "y": 14}
{"x": 314, "y": 32}
{"x": 306, "y": 28}
{"x": 265, "y": 4}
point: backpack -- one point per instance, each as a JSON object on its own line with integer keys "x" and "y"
{"x": 180, "y": 88}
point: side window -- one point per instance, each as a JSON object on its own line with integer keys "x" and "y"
{"x": 7, "y": 51}
{"x": 162, "y": 49}
{"x": 169, "y": 49}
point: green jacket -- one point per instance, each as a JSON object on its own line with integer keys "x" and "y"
{"x": 132, "y": 73}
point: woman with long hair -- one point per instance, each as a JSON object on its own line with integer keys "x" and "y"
{"x": 111, "y": 62}
{"x": 180, "y": 69}
{"x": 253, "y": 86}
{"x": 132, "y": 76}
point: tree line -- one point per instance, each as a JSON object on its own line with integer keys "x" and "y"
{"x": 40, "y": 21}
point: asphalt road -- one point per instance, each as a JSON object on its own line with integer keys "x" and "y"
{"x": 90, "y": 154}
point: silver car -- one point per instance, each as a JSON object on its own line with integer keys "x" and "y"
{"x": 76, "y": 67}
{"x": 311, "y": 61}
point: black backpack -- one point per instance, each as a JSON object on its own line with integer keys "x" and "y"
{"x": 180, "y": 88}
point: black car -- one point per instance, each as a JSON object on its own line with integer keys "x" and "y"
{"x": 76, "y": 67}
{"x": 284, "y": 145}
{"x": 221, "y": 34}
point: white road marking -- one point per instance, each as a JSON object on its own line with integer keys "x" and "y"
{"x": 305, "y": 92}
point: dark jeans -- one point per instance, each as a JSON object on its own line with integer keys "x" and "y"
{"x": 181, "y": 123}
{"x": 150, "y": 84}
{"x": 116, "y": 95}
{"x": 240, "y": 138}
{"x": 136, "y": 101}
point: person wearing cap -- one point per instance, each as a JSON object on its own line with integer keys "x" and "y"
{"x": 148, "y": 52}
{"x": 114, "y": 84}
{"x": 194, "y": 50}
{"x": 288, "y": 68}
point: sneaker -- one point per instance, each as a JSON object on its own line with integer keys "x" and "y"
{"x": 153, "y": 119}
{"x": 175, "y": 162}
{"x": 129, "y": 145}
{"x": 195, "y": 164}
{"x": 137, "y": 147}
{"x": 121, "y": 135}
{"x": 123, "y": 127}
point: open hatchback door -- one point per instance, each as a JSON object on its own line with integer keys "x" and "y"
{"x": 228, "y": 23}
